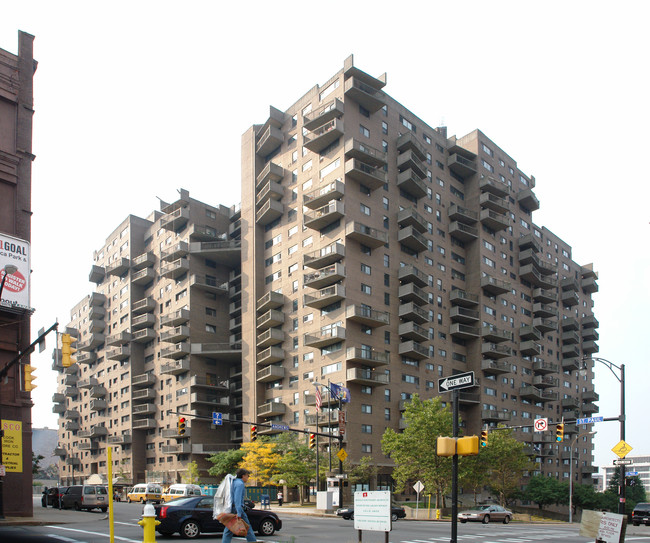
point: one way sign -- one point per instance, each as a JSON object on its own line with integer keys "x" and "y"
{"x": 462, "y": 380}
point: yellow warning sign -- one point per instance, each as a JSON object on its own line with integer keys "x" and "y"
{"x": 342, "y": 455}
{"x": 12, "y": 445}
{"x": 621, "y": 449}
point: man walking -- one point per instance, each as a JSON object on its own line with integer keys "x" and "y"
{"x": 238, "y": 494}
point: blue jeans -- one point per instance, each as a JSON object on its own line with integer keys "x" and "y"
{"x": 250, "y": 536}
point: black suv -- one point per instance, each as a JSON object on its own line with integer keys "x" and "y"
{"x": 641, "y": 514}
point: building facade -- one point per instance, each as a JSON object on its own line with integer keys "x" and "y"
{"x": 16, "y": 111}
{"x": 382, "y": 255}
{"x": 640, "y": 465}
{"x": 157, "y": 339}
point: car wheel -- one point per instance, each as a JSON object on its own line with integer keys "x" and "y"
{"x": 166, "y": 534}
{"x": 190, "y": 529}
{"x": 635, "y": 523}
{"x": 142, "y": 501}
{"x": 77, "y": 507}
{"x": 394, "y": 517}
{"x": 506, "y": 519}
{"x": 267, "y": 527}
{"x": 104, "y": 509}
{"x": 128, "y": 500}
{"x": 486, "y": 519}
{"x": 352, "y": 516}
{"x": 463, "y": 521}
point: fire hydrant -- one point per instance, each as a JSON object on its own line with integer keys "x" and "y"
{"x": 149, "y": 524}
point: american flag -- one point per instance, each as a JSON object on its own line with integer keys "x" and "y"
{"x": 319, "y": 400}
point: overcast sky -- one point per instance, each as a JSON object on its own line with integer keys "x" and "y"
{"x": 135, "y": 100}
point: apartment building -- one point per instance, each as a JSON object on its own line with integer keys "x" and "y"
{"x": 381, "y": 254}
{"x": 16, "y": 112}
{"x": 159, "y": 335}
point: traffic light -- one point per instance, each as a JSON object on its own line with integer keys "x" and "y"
{"x": 29, "y": 377}
{"x": 181, "y": 426}
{"x": 312, "y": 441}
{"x": 67, "y": 350}
{"x": 484, "y": 438}
{"x": 253, "y": 432}
{"x": 559, "y": 431}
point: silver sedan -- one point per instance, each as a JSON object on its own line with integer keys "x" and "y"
{"x": 486, "y": 513}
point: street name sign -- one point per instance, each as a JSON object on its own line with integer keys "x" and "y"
{"x": 217, "y": 419}
{"x": 280, "y": 427}
{"x": 631, "y": 473}
{"x": 462, "y": 380}
{"x": 589, "y": 420}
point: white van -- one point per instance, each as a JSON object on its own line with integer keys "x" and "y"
{"x": 145, "y": 492}
{"x": 181, "y": 491}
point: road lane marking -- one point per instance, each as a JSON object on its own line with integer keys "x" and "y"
{"x": 94, "y": 533}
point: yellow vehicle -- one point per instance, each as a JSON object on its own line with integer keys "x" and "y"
{"x": 181, "y": 491}
{"x": 145, "y": 492}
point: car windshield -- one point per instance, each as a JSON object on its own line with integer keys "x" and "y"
{"x": 481, "y": 508}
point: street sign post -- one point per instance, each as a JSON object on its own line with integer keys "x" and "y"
{"x": 217, "y": 419}
{"x": 462, "y": 380}
{"x": 589, "y": 420}
{"x": 418, "y": 487}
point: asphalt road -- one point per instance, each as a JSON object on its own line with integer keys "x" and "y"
{"x": 93, "y": 527}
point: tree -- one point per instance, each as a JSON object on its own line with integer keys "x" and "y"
{"x": 261, "y": 460}
{"x": 634, "y": 493}
{"x": 414, "y": 450}
{"x": 193, "y": 474}
{"x": 545, "y": 491}
{"x": 585, "y": 497}
{"x": 36, "y": 460}
{"x": 296, "y": 465}
{"x": 507, "y": 463}
{"x": 362, "y": 473}
{"x": 225, "y": 462}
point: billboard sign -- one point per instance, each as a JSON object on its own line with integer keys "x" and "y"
{"x": 15, "y": 252}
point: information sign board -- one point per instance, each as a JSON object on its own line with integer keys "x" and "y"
{"x": 217, "y": 419}
{"x": 372, "y": 511}
{"x": 462, "y": 380}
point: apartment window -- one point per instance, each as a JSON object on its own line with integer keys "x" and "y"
{"x": 489, "y": 262}
{"x": 487, "y": 166}
{"x": 293, "y": 230}
{"x": 293, "y": 269}
{"x": 292, "y": 249}
{"x": 273, "y": 277}
{"x": 330, "y": 167}
{"x": 211, "y": 328}
{"x": 364, "y": 131}
{"x": 366, "y": 269}
{"x": 412, "y": 379}
{"x": 306, "y": 166}
{"x": 366, "y": 289}
{"x": 407, "y": 123}
{"x": 366, "y": 408}
{"x": 384, "y": 128}
{"x": 365, "y": 209}
{"x": 366, "y": 428}
{"x": 331, "y": 368}
{"x": 366, "y": 448}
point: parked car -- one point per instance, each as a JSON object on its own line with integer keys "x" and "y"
{"x": 50, "y": 496}
{"x": 181, "y": 491}
{"x": 58, "y": 501}
{"x": 641, "y": 514}
{"x": 86, "y": 497}
{"x": 396, "y": 512}
{"x": 486, "y": 513}
{"x": 192, "y": 516}
{"x": 145, "y": 492}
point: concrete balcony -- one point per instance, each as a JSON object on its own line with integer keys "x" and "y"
{"x": 589, "y": 285}
{"x": 118, "y": 353}
{"x": 494, "y": 186}
{"x": 495, "y": 334}
{"x": 71, "y": 461}
{"x": 144, "y": 395}
{"x": 488, "y": 200}
{"x": 219, "y": 403}
{"x": 413, "y": 349}
{"x": 97, "y": 274}
{"x": 269, "y": 337}
{"x": 529, "y": 332}
{"x": 179, "y": 448}
{"x": 372, "y": 177}
{"x": 495, "y": 286}
{"x": 412, "y": 312}
{"x": 270, "y": 373}
{"x": 121, "y": 338}
{"x": 463, "y": 231}
{"x": 324, "y": 194}
{"x": 570, "y": 364}
{"x": 590, "y": 347}
{"x": 98, "y": 405}
{"x": 60, "y": 452}
{"x": 95, "y": 325}
{"x": 544, "y": 296}
{"x": 86, "y": 358}
{"x": 590, "y": 396}
{"x": 542, "y": 368}
{"x": 529, "y": 348}
{"x": 545, "y": 325}
{"x": 569, "y": 298}
{"x": 493, "y": 350}
{"x": 223, "y": 351}
{"x": 269, "y": 140}
{"x": 93, "y": 341}
{"x": 119, "y": 439}
{"x": 323, "y": 114}
{"x": 71, "y": 392}
{"x": 87, "y": 383}
{"x": 175, "y": 269}
{"x": 590, "y": 334}
{"x": 270, "y": 319}
{"x": 570, "y": 323}
{"x": 545, "y": 381}
{"x": 324, "y": 216}
{"x": 527, "y": 199}
{"x": 411, "y": 330}
{"x": 323, "y": 338}
{"x": 209, "y": 283}
{"x": 461, "y": 166}
{"x": 530, "y": 241}
{"x": 367, "y": 356}
{"x": 571, "y": 351}
{"x": 322, "y": 137}
{"x": 146, "y": 305}
{"x": 94, "y": 431}
{"x": 324, "y": 297}
{"x": 411, "y": 274}
{"x": 144, "y": 424}
{"x": 178, "y": 350}
{"x": 270, "y": 409}
{"x": 529, "y": 256}
{"x": 492, "y": 415}
{"x": 458, "y": 297}
{"x": 58, "y": 408}
{"x": 96, "y": 312}
{"x": 175, "y": 220}
{"x": 570, "y": 403}
{"x": 366, "y": 316}
{"x": 411, "y": 238}
{"x": 57, "y": 397}
{"x": 70, "y": 380}
{"x": 410, "y": 217}
{"x": 176, "y": 318}
{"x": 270, "y": 211}
{"x": 463, "y": 314}
{"x": 173, "y": 433}
{"x": 176, "y": 251}
{"x": 409, "y": 142}
{"x": 570, "y": 337}
{"x": 270, "y": 355}
{"x": 143, "y": 380}
{"x": 589, "y": 408}
{"x": 175, "y": 335}
{"x": 364, "y": 153}
{"x": 118, "y": 267}
{"x": 366, "y": 377}
{"x": 144, "y": 336}
{"x": 462, "y": 214}
{"x": 531, "y": 273}
{"x": 324, "y": 277}
{"x": 227, "y": 252}
{"x": 145, "y": 260}
{"x": 270, "y": 172}
{"x": 529, "y": 392}
{"x": 495, "y": 367}
{"x": 464, "y": 331}
{"x": 270, "y": 300}
{"x": 410, "y": 180}
{"x": 368, "y": 96}
{"x": 176, "y": 367}
{"x": 493, "y": 220}
{"x": 71, "y": 426}
{"x": 98, "y": 391}
{"x": 143, "y": 321}
{"x": 412, "y": 293}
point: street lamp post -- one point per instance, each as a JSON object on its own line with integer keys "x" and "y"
{"x": 611, "y": 366}
{"x": 573, "y": 442}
